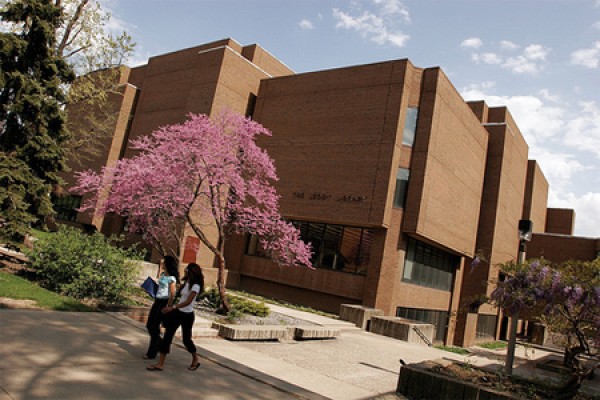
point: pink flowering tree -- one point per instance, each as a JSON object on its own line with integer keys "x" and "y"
{"x": 207, "y": 173}
{"x": 566, "y": 297}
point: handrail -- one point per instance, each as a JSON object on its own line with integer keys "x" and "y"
{"x": 422, "y": 336}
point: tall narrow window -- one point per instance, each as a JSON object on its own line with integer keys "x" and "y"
{"x": 410, "y": 126}
{"x": 401, "y": 187}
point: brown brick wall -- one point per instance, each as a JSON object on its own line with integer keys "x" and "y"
{"x": 265, "y": 61}
{"x": 558, "y": 248}
{"x": 560, "y": 220}
{"x": 333, "y": 141}
{"x": 447, "y": 168}
{"x": 536, "y": 197}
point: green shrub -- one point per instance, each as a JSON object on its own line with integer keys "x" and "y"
{"x": 210, "y": 297}
{"x": 84, "y": 266}
{"x": 250, "y": 307}
{"x": 239, "y": 305}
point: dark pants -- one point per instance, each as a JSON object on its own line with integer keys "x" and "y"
{"x": 153, "y": 325}
{"x": 174, "y": 320}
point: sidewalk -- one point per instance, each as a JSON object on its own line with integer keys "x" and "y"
{"x": 60, "y": 355}
{"x": 64, "y": 355}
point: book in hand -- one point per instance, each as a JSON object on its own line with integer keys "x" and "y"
{"x": 150, "y": 286}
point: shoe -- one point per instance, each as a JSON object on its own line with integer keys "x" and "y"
{"x": 154, "y": 367}
{"x": 193, "y": 367}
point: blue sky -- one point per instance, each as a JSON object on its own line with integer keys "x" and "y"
{"x": 539, "y": 58}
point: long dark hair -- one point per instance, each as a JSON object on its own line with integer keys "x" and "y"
{"x": 194, "y": 275}
{"x": 172, "y": 267}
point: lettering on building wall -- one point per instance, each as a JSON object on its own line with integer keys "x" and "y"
{"x": 324, "y": 196}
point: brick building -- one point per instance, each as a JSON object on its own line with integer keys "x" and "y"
{"x": 396, "y": 181}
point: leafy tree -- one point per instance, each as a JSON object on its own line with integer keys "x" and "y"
{"x": 32, "y": 131}
{"x": 206, "y": 173}
{"x": 566, "y": 297}
{"x": 85, "y": 40}
{"x": 96, "y": 53}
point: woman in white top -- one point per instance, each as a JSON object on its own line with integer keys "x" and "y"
{"x": 182, "y": 315}
{"x": 165, "y": 294}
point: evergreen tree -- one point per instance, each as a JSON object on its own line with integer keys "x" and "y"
{"x": 32, "y": 123}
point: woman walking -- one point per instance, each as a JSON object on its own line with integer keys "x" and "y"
{"x": 165, "y": 294}
{"x": 182, "y": 315}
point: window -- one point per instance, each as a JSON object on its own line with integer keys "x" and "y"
{"x": 410, "y": 126}
{"x": 429, "y": 266}
{"x": 335, "y": 247}
{"x": 66, "y": 207}
{"x": 486, "y": 327}
{"x": 401, "y": 187}
{"x": 439, "y": 319}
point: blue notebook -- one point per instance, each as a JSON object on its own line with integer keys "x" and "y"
{"x": 150, "y": 286}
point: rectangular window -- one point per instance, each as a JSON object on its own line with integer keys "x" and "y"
{"x": 439, "y": 319}
{"x": 410, "y": 126}
{"x": 486, "y": 327}
{"x": 401, "y": 187}
{"x": 429, "y": 266}
{"x": 335, "y": 247}
{"x": 66, "y": 207}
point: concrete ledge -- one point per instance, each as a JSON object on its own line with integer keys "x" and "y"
{"x": 359, "y": 314}
{"x": 252, "y": 332}
{"x": 403, "y": 329}
{"x": 315, "y": 332}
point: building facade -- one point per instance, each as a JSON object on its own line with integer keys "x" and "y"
{"x": 396, "y": 181}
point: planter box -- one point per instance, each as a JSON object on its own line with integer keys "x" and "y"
{"x": 417, "y": 383}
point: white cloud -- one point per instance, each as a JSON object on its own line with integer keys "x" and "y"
{"x": 508, "y": 45}
{"x": 529, "y": 62}
{"x": 487, "y": 58}
{"x": 393, "y": 8}
{"x": 558, "y": 167}
{"x": 583, "y": 132}
{"x": 596, "y": 25}
{"x": 306, "y": 24}
{"x": 536, "y": 52}
{"x": 545, "y": 93}
{"x": 589, "y": 58}
{"x": 472, "y": 43}
{"x": 520, "y": 65}
{"x": 379, "y": 25}
{"x": 537, "y": 120}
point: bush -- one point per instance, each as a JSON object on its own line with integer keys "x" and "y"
{"x": 84, "y": 266}
{"x": 239, "y": 305}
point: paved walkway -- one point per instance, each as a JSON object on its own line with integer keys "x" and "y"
{"x": 59, "y": 355}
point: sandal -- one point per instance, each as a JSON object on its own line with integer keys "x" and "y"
{"x": 154, "y": 367}
{"x": 193, "y": 367}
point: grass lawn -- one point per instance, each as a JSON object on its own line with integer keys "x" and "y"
{"x": 494, "y": 345}
{"x": 15, "y": 287}
{"x": 453, "y": 349}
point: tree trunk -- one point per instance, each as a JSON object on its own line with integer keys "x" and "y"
{"x": 224, "y": 307}
{"x": 570, "y": 359}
